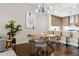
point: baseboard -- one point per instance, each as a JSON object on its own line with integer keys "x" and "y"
{"x": 21, "y": 42}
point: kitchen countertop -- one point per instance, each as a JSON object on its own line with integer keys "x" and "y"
{"x": 66, "y": 30}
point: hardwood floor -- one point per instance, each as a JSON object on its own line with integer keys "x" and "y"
{"x": 29, "y": 50}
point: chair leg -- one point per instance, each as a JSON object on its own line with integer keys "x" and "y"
{"x": 35, "y": 51}
{"x": 45, "y": 51}
{"x": 41, "y": 51}
{"x": 50, "y": 46}
{"x": 38, "y": 51}
{"x": 58, "y": 44}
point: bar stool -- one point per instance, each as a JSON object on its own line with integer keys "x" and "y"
{"x": 58, "y": 39}
{"x": 68, "y": 35}
{"x": 76, "y": 37}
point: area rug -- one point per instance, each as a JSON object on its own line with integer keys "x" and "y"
{"x": 9, "y": 52}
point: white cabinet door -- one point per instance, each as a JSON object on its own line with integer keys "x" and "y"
{"x": 76, "y": 18}
{"x": 72, "y": 20}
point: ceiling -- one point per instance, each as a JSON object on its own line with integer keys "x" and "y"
{"x": 60, "y": 9}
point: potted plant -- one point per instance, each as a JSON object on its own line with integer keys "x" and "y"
{"x": 13, "y": 29}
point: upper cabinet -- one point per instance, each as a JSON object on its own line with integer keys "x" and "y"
{"x": 70, "y": 20}
{"x": 77, "y": 20}
{"x": 74, "y": 20}
{"x": 55, "y": 20}
{"x": 65, "y": 21}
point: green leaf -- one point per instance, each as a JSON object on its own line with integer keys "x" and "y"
{"x": 13, "y": 28}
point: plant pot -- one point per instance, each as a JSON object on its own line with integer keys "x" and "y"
{"x": 13, "y": 40}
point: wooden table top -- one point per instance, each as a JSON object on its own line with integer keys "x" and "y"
{"x": 44, "y": 35}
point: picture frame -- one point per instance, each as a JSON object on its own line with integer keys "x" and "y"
{"x": 30, "y": 20}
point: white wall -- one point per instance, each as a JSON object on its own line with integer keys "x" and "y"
{"x": 17, "y": 13}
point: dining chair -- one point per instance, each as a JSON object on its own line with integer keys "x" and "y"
{"x": 41, "y": 46}
{"x": 53, "y": 41}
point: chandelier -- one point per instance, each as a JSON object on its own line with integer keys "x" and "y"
{"x": 43, "y": 9}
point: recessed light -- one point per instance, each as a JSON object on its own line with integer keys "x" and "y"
{"x": 55, "y": 11}
{"x": 39, "y": 6}
{"x": 36, "y": 10}
{"x": 74, "y": 6}
{"x": 41, "y": 13}
{"x": 45, "y": 9}
{"x": 50, "y": 7}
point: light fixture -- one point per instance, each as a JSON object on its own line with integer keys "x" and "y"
{"x": 55, "y": 11}
{"x": 43, "y": 9}
{"x": 74, "y": 6}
